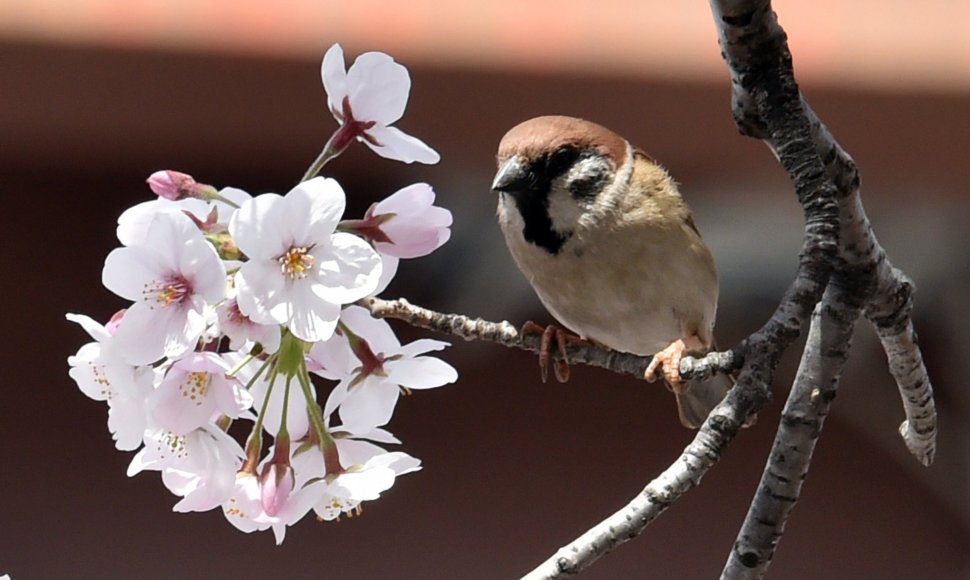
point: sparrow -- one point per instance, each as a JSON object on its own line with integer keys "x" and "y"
{"x": 604, "y": 237}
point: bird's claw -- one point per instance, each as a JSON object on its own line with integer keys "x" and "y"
{"x": 560, "y": 366}
{"x": 667, "y": 362}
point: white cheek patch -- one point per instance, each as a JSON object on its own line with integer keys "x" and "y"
{"x": 564, "y": 210}
{"x": 574, "y": 194}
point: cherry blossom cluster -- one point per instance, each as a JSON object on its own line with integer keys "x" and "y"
{"x": 242, "y": 307}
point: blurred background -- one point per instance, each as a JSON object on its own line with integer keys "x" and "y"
{"x": 96, "y": 95}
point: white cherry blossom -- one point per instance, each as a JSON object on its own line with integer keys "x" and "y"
{"x": 196, "y": 390}
{"x": 199, "y": 466}
{"x": 367, "y": 99}
{"x": 103, "y": 375}
{"x": 299, "y": 271}
{"x": 405, "y": 225}
{"x": 171, "y": 277}
{"x": 368, "y": 471}
{"x": 244, "y": 507}
{"x": 376, "y": 369}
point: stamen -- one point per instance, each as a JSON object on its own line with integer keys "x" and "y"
{"x": 195, "y": 386}
{"x": 165, "y": 293}
{"x": 296, "y": 263}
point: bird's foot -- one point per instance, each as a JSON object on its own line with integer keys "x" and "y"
{"x": 560, "y": 366}
{"x": 666, "y": 363}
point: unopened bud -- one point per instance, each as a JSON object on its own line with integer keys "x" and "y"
{"x": 171, "y": 185}
{"x": 275, "y": 486}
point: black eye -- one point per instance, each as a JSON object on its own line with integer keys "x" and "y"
{"x": 560, "y": 160}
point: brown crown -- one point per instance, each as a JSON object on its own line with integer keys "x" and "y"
{"x": 535, "y": 137}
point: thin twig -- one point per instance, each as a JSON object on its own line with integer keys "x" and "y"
{"x": 505, "y": 334}
{"x": 683, "y": 474}
{"x": 890, "y": 315}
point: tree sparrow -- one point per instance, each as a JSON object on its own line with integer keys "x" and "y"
{"x": 601, "y": 232}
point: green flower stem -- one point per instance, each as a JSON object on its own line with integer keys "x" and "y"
{"x": 331, "y": 459}
{"x": 283, "y": 431}
{"x": 254, "y": 445}
{"x": 245, "y": 361}
{"x": 337, "y": 144}
{"x": 218, "y": 197}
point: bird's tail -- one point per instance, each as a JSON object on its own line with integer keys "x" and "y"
{"x": 696, "y": 398}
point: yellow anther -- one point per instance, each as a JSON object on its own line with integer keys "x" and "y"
{"x": 296, "y": 262}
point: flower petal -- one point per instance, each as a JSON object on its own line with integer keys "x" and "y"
{"x": 259, "y": 227}
{"x": 333, "y": 71}
{"x": 370, "y": 404}
{"x": 378, "y": 88}
{"x": 96, "y": 330}
{"x": 375, "y": 331}
{"x": 388, "y": 271}
{"x": 260, "y": 287}
{"x": 335, "y": 358}
{"x": 138, "y": 337}
{"x": 410, "y": 200}
{"x": 363, "y": 485}
{"x": 127, "y": 271}
{"x": 327, "y": 203}
{"x": 200, "y": 264}
{"x": 398, "y": 145}
{"x": 421, "y": 346}
{"x": 349, "y": 269}
{"x": 310, "y": 317}
{"x": 421, "y": 373}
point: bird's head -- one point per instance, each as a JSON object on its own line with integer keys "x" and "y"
{"x": 556, "y": 169}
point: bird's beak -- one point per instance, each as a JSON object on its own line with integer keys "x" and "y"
{"x": 513, "y": 175}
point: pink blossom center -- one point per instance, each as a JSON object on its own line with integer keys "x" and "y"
{"x": 296, "y": 263}
{"x": 235, "y": 315}
{"x": 165, "y": 293}
{"x": 351, "y": 128}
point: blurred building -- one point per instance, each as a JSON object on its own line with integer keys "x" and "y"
{"x": 95, "y": 95}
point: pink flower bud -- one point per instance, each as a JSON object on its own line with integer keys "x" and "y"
{"x": 171, "y": 185}
{"x": 275, "y": 486}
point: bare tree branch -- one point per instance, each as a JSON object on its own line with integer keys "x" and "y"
{"x": 686, "y": 472}
{"x": 507, "y": 335}
{"x": 756, "y": 51}
{"x": 752, "y": 42}
{"x": 503, "y": 333}
{"x": 808, "y": 404}
{"x": 889, "y": 312}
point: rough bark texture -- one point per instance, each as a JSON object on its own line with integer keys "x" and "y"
{"x": 506, "y": 334}
{"x": 801, "y": 423}
{"x": 864, "y": 280}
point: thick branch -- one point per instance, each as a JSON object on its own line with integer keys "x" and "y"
{"x": 756, "y": 51}
{"x": 752, "y": 43}
{"x": 811, "y": 396}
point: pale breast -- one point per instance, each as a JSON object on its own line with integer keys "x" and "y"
{"x": 634, "y": 291}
